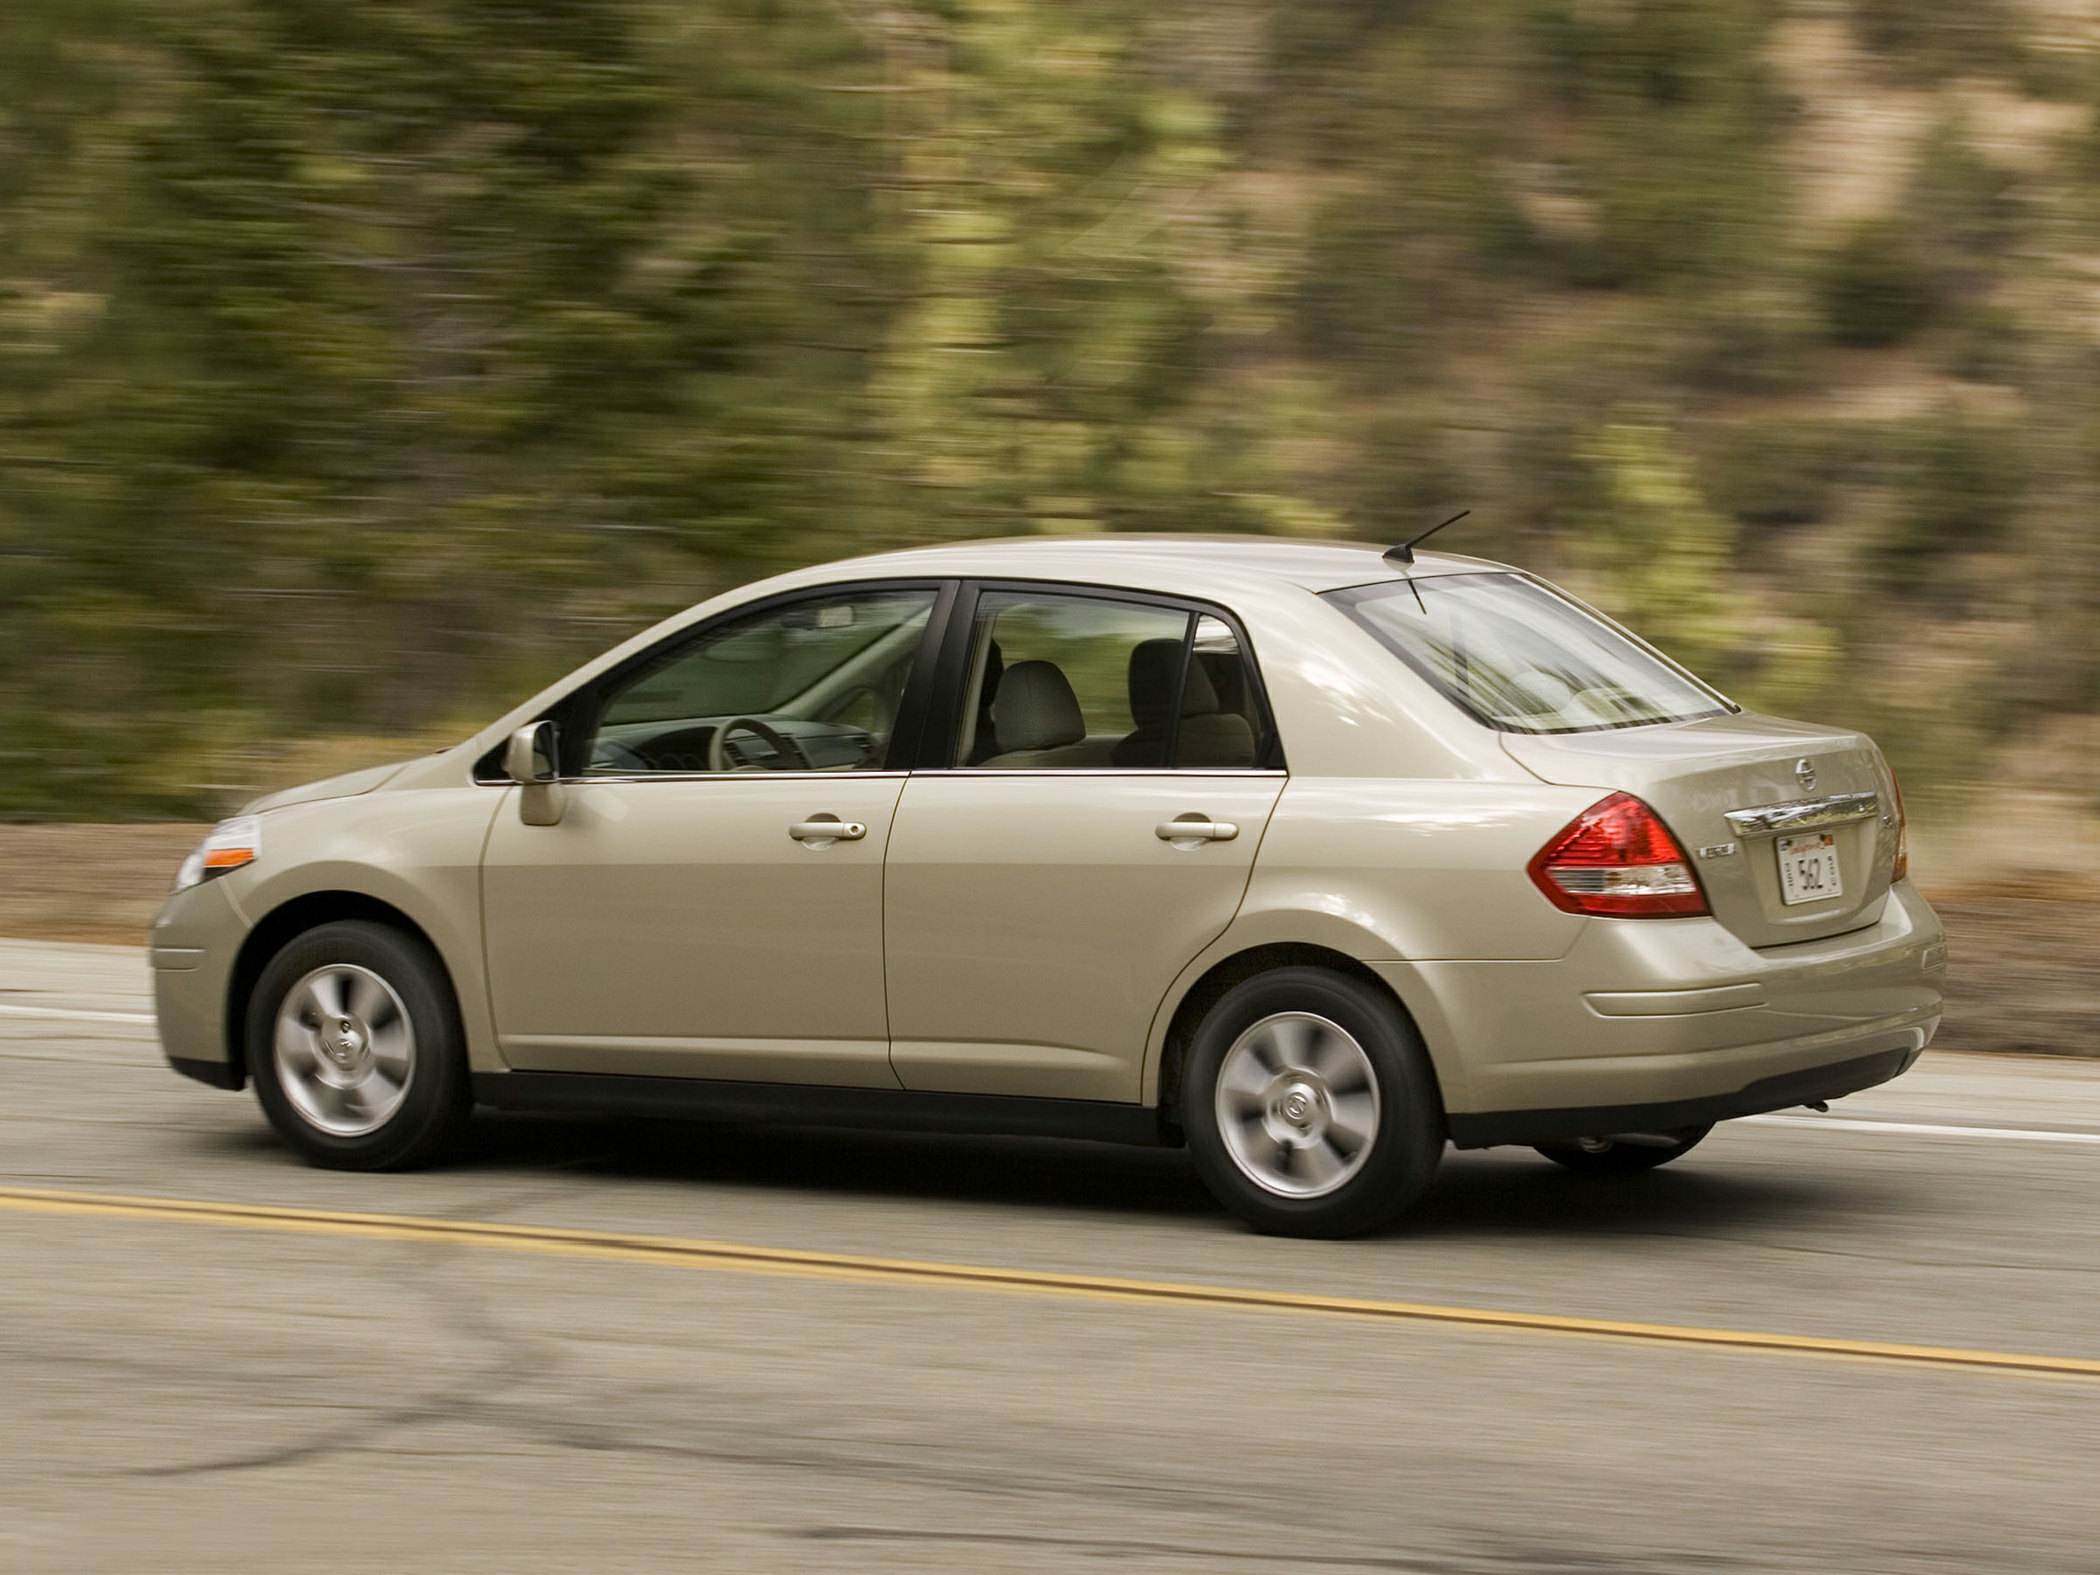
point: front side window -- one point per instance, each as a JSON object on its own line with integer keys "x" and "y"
{"x": 812, "y": 686}
{"x": 1075, "y": 682}
{"x": 1522, "y": 658}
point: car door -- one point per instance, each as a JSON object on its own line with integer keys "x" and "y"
{"x": 1040, "y": 902}
{"x": 710, "y": 902}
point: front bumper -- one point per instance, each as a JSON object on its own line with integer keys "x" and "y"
{"x": 192, "y": 949}
{"x": 1651, "y": 1024}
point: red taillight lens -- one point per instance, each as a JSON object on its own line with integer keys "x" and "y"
{"x": 1618, "y": 858}
{"x": 1902, "y": 830}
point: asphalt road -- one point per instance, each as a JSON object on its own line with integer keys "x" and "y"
{"x": 266, "y": 1395}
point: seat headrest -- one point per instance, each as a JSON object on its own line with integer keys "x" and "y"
{"x": 1036, "y": 709}
{"x": 1153, "y": 664}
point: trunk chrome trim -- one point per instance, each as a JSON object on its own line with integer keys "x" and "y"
{"x": 1803, "y": 814}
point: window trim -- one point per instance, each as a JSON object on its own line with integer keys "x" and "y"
{"x": 943, "y": 719}
{"x": 576, "y": 713}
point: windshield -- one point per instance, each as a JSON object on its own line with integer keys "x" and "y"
{"x": 1524, "y": 658}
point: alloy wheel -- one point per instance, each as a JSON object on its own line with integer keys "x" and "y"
{"x": 345, "y": 1049}
{"x": 1297, "y": 1104}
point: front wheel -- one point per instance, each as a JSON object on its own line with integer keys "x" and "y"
{"x": 356, "y": 1049}
{"x": 1310, "y": 1107}
{"x": 1623, "y": 1156}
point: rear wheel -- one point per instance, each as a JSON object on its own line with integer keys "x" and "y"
{"x": 1624, "y": 1156}
{"x": 355, "y": 1046}
{"x": 1310, "y": 1106}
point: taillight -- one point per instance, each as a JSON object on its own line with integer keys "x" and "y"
{"x": 1618, "y": 858}
{"x": 1902, "y": 830}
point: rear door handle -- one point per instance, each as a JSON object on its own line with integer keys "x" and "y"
{"x": 1195, "y": 829}
{"x": 827, "y": 828}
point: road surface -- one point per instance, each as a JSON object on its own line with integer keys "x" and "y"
{"x": 553, "y": 1376}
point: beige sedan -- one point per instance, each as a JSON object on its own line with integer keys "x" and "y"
{"x": 1311, "y": 857}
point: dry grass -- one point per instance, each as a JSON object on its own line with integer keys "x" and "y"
{"x": 2023, "y": 969}
{"x": 88, "y": 882}
{"x": 2023, "y": 975}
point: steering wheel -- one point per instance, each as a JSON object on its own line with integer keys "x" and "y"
{"x": 783, "y": 746}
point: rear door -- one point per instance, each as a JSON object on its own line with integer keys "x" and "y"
{"x": 1791, "y": 827}
{"x": 1039, "y": 901}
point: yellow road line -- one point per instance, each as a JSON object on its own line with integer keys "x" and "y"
{"x": 740, "y": 1258}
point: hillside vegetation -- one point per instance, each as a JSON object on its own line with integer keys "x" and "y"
{"x": 363, "y": 366}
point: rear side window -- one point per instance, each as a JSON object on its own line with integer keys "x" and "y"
{"x": 1062, "y": 682}
{"x": 1523, "y": 658}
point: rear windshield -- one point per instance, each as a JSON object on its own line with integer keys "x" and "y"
{"x": 1524, "y": 658}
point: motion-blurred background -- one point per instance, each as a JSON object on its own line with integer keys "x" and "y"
{"x": 364, "y": 366}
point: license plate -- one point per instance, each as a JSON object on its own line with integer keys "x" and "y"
{"x": 1808, "y": 868}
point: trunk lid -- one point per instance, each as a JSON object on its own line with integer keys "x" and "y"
{"x": 1696, "y": 775}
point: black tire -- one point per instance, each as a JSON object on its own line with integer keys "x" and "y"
{"x": 425, "y": 1109}
{"x": 1378, "y": 1178}
{"x": 1616, "y": 1158}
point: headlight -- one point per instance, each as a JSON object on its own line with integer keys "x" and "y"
{"x": 231, "y": 844}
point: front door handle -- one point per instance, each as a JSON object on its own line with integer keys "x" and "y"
{"x": 1194, "y": 828}
{"x": 827, "y": 828}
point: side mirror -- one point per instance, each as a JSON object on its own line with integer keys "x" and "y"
{"x": 532, "y": 758}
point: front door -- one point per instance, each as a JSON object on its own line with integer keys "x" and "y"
{"x": 1040, "y": 904}
{"x": 693, "y": 914}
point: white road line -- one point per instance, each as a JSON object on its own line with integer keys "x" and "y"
{"x": 75, "y": 1015}
{"x": 2020, "y": 1134}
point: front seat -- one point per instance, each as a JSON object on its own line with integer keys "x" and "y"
{"x": 1038, "y": 721}
{"x": 1210, "y": 736}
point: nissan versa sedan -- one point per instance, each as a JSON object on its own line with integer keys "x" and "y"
{"x": 1311, "y": 857}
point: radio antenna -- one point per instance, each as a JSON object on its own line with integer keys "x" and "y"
{"x": 1405, "y": 552}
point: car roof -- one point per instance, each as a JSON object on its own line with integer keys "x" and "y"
{"x": 1164, "y": 562}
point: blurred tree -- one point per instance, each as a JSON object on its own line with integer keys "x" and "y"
{"x": 1675, "y": 148}
{"x": 1928, "y": 40}
{"x": 362, "y": 367}
{"x": 1653, "y": 544}
{"x": 1960, "y": 480}
{"x": 1874, "y": 287}
{"x": 406, "y": 319}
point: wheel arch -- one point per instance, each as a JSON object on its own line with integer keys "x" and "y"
{"x": 1221, "y": 975}
{"x": 284, "y": 923}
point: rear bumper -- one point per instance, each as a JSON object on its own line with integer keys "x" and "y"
{"x": 1767, "y": 1093}
{"x": 1674, "y": 1018}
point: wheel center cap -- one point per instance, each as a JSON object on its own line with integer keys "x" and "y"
{"x": 344, "y": 1042}
{"x": 1299, "y": 1106}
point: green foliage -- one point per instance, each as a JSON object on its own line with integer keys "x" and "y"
{"x": 1775, "y": 471}
{"x": 1675, "y": 153}
{"x": 396, "y": 310}
{"x": 1960, "y": 478}
{"x": 1930, "y": 40}
{"x": 1654, "y": 550}
{"x": 1875, "y": 287}
{"x": 363, "y": 367}
{"x": 1990, "y": 345}
{"x": 1964, "y": 214}
{"x": 1745, "y": 342}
